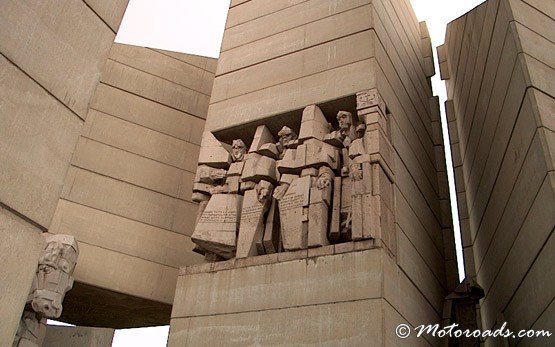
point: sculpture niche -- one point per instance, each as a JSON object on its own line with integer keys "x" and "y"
{"x": 320, "y": 187}
{"x": 54, "y": 277}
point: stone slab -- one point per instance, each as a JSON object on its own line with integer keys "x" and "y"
{"x": 292, "y": 95}
{"x": 154, "y": 88}
{"x": 532, "y": 262}
{"x": 280, "y": 285}
{"x": 428, "y": 247}
{"x": 61, "y": 336}
{"x": 517, "y": 150}
{"x": 303, "y": 63}
{"x": 416, "y": 269}
{"x": 205, "y": 63}
{"x": 524, "y": 192}
{"x": 38, "y": 137}
{"x": 123, "y": 235}
{"x": 59, "y": 33}
{"x": 113, "y": 162}
{"x": 530, "y": 17}
{"x": 19, "y": 252}
{"x": 126, "y": 200}
{"x": 292, "y": 40}
{"x": 345, "y": 323}
{"x": 404, "y": 296}
{"x": 291, "y": 14}
{"x": 125, "y": 274}
{"x": 155, "y": 63}
{"x": 111, "y": 12}
{"x": 140, "y": 111}
{"x": 153, "y": 145}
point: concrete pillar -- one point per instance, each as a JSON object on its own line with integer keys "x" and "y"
{"x": 20, "y": 248}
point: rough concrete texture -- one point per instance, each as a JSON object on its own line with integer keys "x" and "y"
{"x": 297, "y": 301}
{"x": 61, "y": 336}
{"x": 501, "y": 111}
{"x": 20, "y": 249}
{"x": 49, "y": 66}
{"x": 127, "y": 193}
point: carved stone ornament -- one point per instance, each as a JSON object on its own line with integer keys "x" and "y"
{"x": 54, "y": 277}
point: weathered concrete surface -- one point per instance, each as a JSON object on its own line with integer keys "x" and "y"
{"x": 62, "y": 336}
{"x": 127, "y": 193}
{"x": 500, "y": 114}
{"x": 351, "y": 298}
{"x": 20, "y": 250}
{"x": 70, "y": 57}
{"x": 38, "y": 137}
{"x": 50, "y": 64}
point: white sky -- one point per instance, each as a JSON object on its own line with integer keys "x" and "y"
{"x": 196, "y": 27}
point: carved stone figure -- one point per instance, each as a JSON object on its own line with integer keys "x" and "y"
{"x": 219, "y": 192}
{"x": 258, "y": 179}
{"x": 341, "y": 226}
{"x": 306, "y": 184}
{"x": 53, "y": 279}
{"x": 287, "y": 139}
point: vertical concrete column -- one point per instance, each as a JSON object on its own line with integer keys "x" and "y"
{"x": 20, "y": 248}
{"x": 378, "y": 206}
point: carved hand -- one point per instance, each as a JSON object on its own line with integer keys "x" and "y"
{"x": 355, "y": 174}
{"x": 219, "y": 190}
{"x": 217, "y": 174}
{"x": 280, "y": 191}
{"x": 324, "y": 181}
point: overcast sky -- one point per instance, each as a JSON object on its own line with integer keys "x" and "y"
{"x": 196, "y": 27}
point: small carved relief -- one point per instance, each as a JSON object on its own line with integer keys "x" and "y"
{"x": 322, "y": 186}
{"x": 54, "y": 277}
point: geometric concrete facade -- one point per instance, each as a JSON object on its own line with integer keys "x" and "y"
{"x": 127, "y": 193}
{"x": 50, "y": 63}
{"x": 343, "y": 296}
{"x": 498, "y": 65}
{"x": 277, "y": 58}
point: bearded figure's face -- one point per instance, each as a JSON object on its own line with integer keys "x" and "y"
{"x": 286, "y": 135}
{"x": 344, "y": 119}
{"x": 238, "y": 150}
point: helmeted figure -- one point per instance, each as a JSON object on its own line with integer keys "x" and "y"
{"x": 306, "y": 184}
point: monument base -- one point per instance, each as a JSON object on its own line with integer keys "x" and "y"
{"x": 346, "y": 294}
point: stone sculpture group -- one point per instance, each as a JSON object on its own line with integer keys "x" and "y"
{"x": 321, "y": 186}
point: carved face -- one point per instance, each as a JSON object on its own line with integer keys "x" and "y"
{"x": 286, "y": 135}
{"x": 238, "y": 150}
{"x": 344, "y": 119}
{"x": 54, "y": 275}
{"x": 265, "y": 190}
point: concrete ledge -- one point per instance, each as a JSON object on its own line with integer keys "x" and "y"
{"x": 266, "y": 259}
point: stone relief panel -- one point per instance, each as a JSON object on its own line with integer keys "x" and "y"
{"x": 325, "y": 185}
{"x": 54, "y": 277}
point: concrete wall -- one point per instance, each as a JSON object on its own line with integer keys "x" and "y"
{"x": 127, "y": 193}
{"x": 499, "y": 68}
{"x": 336, "y": 299}
{"x": 62, "y": 336}
{"x": 278, "y": 57}
{"x": 51, "y": 55}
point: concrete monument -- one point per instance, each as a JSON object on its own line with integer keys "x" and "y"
{"x": 332, "y": 185}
